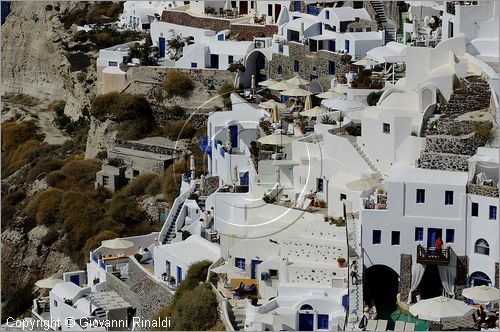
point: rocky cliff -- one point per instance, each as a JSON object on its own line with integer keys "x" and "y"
{"x": 35, "y": 59}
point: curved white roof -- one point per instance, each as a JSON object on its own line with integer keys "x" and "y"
{"x": 193, "y": 249}
{"x": 66, "y": 290}
{"x": 392, "y": 52}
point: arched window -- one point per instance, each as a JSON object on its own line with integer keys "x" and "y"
{"x": 482, "y": 247}
{"x": 280, "y": 70}
{"x": 306, "y": 307}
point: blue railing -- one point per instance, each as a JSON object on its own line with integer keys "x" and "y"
{"x": 102, "y": 265}
{"x": 94, "y": 258}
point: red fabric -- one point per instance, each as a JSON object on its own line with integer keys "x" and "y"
{"x": 439, "y": 244}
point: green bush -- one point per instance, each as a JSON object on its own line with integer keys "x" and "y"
{"x": 180, "y": 129}
{"x": 178, "y": 83}
{"x": 373, "y": 98}
{"x": 125, "y": 210}
{"x": 225, "y": 91}
{"x": 236, "y": 66}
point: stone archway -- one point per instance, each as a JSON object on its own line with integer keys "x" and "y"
{"x": 255, "y": 62}
{"x": 380, "y": 287}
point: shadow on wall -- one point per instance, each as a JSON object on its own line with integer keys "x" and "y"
{"x": 381, "y": 285}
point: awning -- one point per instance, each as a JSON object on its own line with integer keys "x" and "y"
{"x": 392, "y": 52}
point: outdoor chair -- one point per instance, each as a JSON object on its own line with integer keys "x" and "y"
{"x": 371, "y": 326}
{"x": 399, "y": 326}
{"x": 410, "y": 327}
{"x": 381, "y": 325}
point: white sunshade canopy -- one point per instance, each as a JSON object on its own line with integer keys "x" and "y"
{"x": 296, "y": 92}
{"x": 392, "y": 52}
{"x": 330, "y": 94}
{"x": 275, "y": 139}
{"x": 313, "y": 112}
{"x": 117, "y": 244}
{"x": 439, "y": 309}
{"x": 48, "y": 282}
{"x": 365, "y": 62}
{"x": 362, "y": 184}
{"x": 297, "y": 80}
{"x": 268, "y": 82}
{"x": 229, "y": 269}
{"x": 482, "y": 294}
{"x": 342, "y": 105}
{"x": 282, "y": 86}
{"x": 272, "y": 104}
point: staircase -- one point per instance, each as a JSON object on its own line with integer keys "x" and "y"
{"x": 364, "y": 156}
{"x": 355, "y": 291}
{"x": 237, "y": 317}
{"x": 100, "y": 314}
{"x": 171, "y": 232}
{"x": 390, "y": 29}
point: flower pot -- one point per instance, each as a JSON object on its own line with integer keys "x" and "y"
{"x": 326, "y": 219}
{"x": 342, "y": 263}
{"x": 322, "y": 205}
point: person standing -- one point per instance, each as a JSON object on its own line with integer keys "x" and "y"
{"x": 438, "y": 246}
{"x": 354, "y": 272}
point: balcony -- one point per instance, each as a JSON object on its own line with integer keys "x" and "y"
{"x": 430, "y": 256}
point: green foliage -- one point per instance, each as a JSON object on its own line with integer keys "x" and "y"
{"x": 125, "y": 210}
{"x": 373, "y": 98}
{"x": 302, "y": 123}
{"x": 107, "y": 37}
{"x": 265, "y": 125}
{"x": 146, "y": 183}
{"x": 133, "y": 113}
{"x": 18, "y": 302}
{"x": 484, "y": 132}
{"x": 345, "y": 59}
{"x": 143, "y": 52}
{"x": 327, "y": 120}
{"x": 178, "y": 83}
{"x": 236, "y": 66}
{"x": 171, "y": 181}
{"x": 180, "y": 129}
{"x": 225, "y": 91}
{"x": 175, "y": 45}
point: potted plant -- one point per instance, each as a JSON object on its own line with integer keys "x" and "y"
{"x": 322, "y": 203}
{"x": 341, "y": 261}
{"x": 326, "y": 218}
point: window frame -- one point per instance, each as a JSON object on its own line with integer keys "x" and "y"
{"x": 386, "y": 128}
{"x": 484, "y": 246}
{"x": 419, "y": 234}
{"x": 447, "y": 197}
{"x": 398, "y": 238}
{"x": 420, "y": 196}
{"x": 378, "y": 236}
{"x": 296, "y": 66}
{"x": 492, "y": 208}
{"x": 239, "y": 261}
{"x": 450, "y": 233}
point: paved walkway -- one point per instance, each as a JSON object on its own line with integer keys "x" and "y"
{"x": 355, "y": 291}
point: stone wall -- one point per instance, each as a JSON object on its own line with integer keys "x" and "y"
{"x": 460, "y": 145}
{"x": 145, "y": 147}
{"x": 316, "y": 62}
{"x": 141, "y": 291}
{"x": 248, "y": 32}
{"x": 470, "y": 94}
{"x": 405, "y": 277}
{"x": 444, "y": 161}
{"x": 183, "y": 18}
{"x": 454, "y": 127}
{"x": 480, "y": 190}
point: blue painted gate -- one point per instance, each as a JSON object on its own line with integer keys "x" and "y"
{"x": 161, "y": 46}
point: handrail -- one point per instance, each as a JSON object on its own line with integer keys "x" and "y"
{"x": 166, "y": 225}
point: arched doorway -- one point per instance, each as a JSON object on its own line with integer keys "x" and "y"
{"x": 254, "y": 63}
{"x": 380, "y": 287}
{"x": 479, "y": 278}
{"x": 430, "y": 286}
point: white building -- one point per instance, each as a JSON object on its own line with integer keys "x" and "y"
{"x": 138, "y": 15}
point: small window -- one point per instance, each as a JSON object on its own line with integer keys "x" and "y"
{"x": 239, "y": 263}
{"x": 296, "y": 66}
{"x": 386, "y": 128}
{"x": 327, "y": 15}
{"x": 376, "y": 236}
{"x": 493, "y": 212}
{"x": 113, "y": 64}
{"x": 331, "y": 67}
{"x": 343, "y": 196}
{"x": 273, "y": 274}
{"x": 482, "y": 247}
{"x": 419, "y": 233}
{"x": 55, "y": 303}
{"x": 322, "y": 320}
{"x": 475, "y": 209}
{"x": 135, "y": 173}
{"x": 251, "y": 5}
{"x": 105, "y": 180}
{"x": 230, "y": 59}
{"x": 194, "y": 65}
{"x": 220, "y": 37}
{"x": 395, "y": 238}
{"x": 450, "y": 236}
{"x": 420, "y": 195}
{"x": 306, "y": 307}
{"x": 280, "y": 70}
{"x": 319, "y": 185}
{"x": 269, "y": 10}
{"x": 448, "y": 197}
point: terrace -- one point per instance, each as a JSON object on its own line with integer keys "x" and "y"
{"x": 430, "y": 255}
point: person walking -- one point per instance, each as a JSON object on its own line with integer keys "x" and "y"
{"x": 354, "y": 272}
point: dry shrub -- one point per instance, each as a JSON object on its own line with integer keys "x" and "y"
{"x": 172, "y": 181}
{"x": 44, "y": 208}
{"x": 17, "y": 133}
{"x": 178, "y": 83}
{"x": 180, "y": 129}
{"x": 95, "y": 241}
{"x": 147, "y": 183}
{"x": 77, "y": 173}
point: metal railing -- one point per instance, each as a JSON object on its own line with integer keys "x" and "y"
{"x": 430, "y": 255}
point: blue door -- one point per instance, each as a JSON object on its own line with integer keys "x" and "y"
{"x": 255, "y": 263}
{"x": 331, "y": 45}
{"x": 244, "y": 179}
{"x": 296, "y": 6}
{"x": 234, "y": 135}
{"x": 75, "y": 279}
{"x": 161, "y": 45}
{"x": 432, "y": 235}
{"x": 306, "y": 322}
{"x": 345, "y": 301}
{"x": 179, "y": 275}
{"x": 346, "y": 46}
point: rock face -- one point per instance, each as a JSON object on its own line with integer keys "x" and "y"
{"x": 33, "y": 58}
{"x": 101, "y": 137}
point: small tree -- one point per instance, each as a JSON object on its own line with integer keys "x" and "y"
{"x": 373, "y": 98}
{"x": 178, "y": 83}
{"x": 236, "y": 66}
{"x": 175, "y": 45}
{"x": 225, "y": 91}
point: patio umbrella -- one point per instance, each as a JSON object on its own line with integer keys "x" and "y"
{"x": 228, "y": 268}
{"x": 365, "y": 62}
{"x": 49, "y": 282}
{"x": 308, "y": 103}
{"x": 362, "y": 184}
{"x": 234, "y": 174}
{"x": 313, "y": 112}
{"x": 296, "y": 92}
{"x": 297, "y": 80}
{"x": 282, "y": 86}
{"x": 267, "y": 82}
{"x": 276, "y": 114}
{"x": 342, "y": 105}
{"x": 275, "y": 139}
{"x": 440, "y": 309}
{"x": 330, "y": 94}
{"x": 482, "y": 294}
{"x": 271, "y": 104}
{"x": 117, "y": 244}
{"x": 253, "y": 85}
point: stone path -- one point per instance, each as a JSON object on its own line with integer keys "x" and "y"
{"x": 355, "y": 291}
